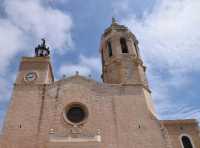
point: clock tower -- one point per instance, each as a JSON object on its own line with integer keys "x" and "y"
{"x": 37, "y": 69}
{"x": 26, "y": 105}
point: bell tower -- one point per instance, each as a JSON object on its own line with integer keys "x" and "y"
{"x": 121, "y": 60}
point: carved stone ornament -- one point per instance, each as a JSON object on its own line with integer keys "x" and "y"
{"x": 78, "y": 136}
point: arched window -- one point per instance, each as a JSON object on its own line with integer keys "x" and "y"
{"x": 123, "y": 45}
{"x": 186, "y": 142}
{"x": 109, "y": 49}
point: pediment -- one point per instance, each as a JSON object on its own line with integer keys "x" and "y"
{"x": 79, "y": 84}
{"x": 77, "y": 79}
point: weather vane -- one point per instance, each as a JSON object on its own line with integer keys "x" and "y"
{"x": 42, "y": 50}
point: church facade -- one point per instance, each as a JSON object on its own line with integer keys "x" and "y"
{"x": 78, "y": 112}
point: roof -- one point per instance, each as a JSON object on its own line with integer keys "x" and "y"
{"x": 114, "y": 26}
{"x": 179, "y": 121}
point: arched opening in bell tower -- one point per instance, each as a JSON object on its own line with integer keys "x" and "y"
{"x": 123, "y": 45}
{"x": 109, "y": 48}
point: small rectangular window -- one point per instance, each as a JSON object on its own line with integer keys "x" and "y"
{"x": 102, "y": 57}
{"x": 109, "y": 49}
{"x": 123, "y": 45}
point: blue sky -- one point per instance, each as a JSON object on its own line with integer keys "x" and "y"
{"x": 167, "y": 30}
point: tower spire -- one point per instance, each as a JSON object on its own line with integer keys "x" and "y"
{"x": 42, "y": 50}
{"x": 113, "y": 20}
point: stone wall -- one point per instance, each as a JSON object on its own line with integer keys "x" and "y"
{"x": 178, "y": 128}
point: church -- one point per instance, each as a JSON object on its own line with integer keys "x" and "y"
{"x": 79, "y": 112}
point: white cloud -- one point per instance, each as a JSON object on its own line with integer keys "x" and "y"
{"x": 5, "y": 93}
{"x": 86, "y": 66}
{"x": 57, "y": 1}
{"x": 11, "y": 42}
{"x": 183, "y": 111}
{"x": 119, "y": 6}
{"x": 93, "y": 63}
{"x": 38, "y": 21}
{"x": 26, "y": 22}
{"x": 170, "y": 34}
{"x": 169, "y": 42}
{"x": 4, "y": 90}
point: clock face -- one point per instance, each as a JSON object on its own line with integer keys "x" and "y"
{"x": 31, "y": 76}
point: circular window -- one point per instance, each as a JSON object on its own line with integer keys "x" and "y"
{"x": 76, "y": 113}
